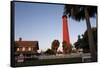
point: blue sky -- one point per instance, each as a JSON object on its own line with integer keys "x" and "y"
{"x": 43, "y": 22}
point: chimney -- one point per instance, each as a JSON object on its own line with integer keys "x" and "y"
{"x": 20, "y": 39}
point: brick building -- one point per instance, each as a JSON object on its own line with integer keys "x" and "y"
{"x": 26, "y": 48}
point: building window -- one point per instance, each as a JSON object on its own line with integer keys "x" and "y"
{"x": 17, "y": 49}
{"x": 23, "y": 49}
{"x": 29, "y": 49}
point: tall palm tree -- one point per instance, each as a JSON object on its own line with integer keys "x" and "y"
{"x": 79, "y": 12}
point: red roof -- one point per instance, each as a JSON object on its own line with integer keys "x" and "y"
{"x": 26, "y": 43}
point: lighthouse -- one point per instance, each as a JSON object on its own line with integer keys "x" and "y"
{"x": 66, "y": 39}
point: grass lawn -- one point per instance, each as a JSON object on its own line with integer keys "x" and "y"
{"x": 50, "y": 62}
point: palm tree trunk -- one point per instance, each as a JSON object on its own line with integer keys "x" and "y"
{"x": 90, "y": 37}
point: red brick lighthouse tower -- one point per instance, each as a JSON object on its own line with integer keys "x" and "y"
{"x": 66, "y": 40}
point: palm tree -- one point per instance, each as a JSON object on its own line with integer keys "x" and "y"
{"x": 54, "y": 46}
{"x": 64, "y": 46}
{"x": 79, "y": 12}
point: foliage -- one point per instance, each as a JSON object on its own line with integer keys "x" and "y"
{"x": 49, "y": 52}
{"x": 64, "y": 44}
{"x": 55, "y": 44}
{"x": 83, "y": 42}
{"x": 77, "y": 12}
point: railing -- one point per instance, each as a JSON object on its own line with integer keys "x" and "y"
{"x": 84, "y": 56}
{"x": 59, "y": 56}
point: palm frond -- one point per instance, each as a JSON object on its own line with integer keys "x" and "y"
{"x": 77, "y": 12}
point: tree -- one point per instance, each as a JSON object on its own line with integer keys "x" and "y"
{"x": 54, "y": 46}
{"x": 84, "y": 42}
{"x": 49, "y": 52}
{"x": 66, "y": 49}
{"x": 80, "y": 13}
